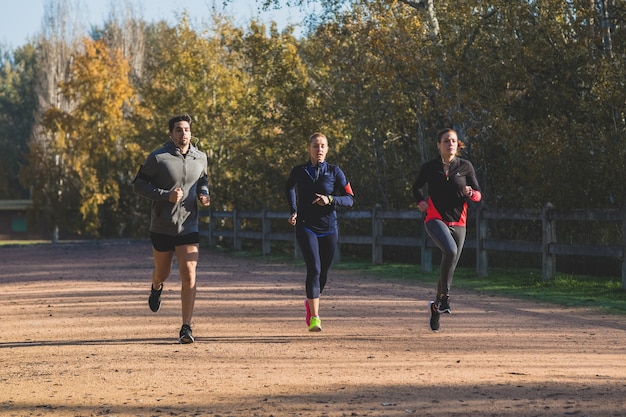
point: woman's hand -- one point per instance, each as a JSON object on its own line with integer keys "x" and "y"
{"x": 321, "y": 200}
{"x": 292, "y": 219}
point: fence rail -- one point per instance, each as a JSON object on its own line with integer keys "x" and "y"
{"x": 548, "y": 247}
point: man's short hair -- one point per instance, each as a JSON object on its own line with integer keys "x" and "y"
{"x": 180, "y": 118}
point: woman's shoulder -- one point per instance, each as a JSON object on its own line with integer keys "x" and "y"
{"x": 334, "y": 168}
{"x": 297, "y": 170}
{"x": 299, "y": 167}
{"x": 432, "y": 163}
{"x": 465, "y": 162}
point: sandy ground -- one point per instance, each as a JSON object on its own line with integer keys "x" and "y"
{"x": 77, "y": 339}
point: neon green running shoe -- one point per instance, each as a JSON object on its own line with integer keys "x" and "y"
{"x": 316, "y": 324}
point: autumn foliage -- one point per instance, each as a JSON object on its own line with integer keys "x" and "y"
{"x": 534, "y": 88}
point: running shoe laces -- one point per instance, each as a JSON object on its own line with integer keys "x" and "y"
{"x": 316, "y": 324}
{"x": 434, "y": 317}
{"x": 185, "y": 334}
{"x": 444, "y": 305}
{"x": 154, "y": 301}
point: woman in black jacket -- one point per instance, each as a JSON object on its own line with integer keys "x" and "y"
{"x": 451, "y": 184}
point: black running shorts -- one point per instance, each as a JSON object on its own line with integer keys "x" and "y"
{"x": 167, "y": 243}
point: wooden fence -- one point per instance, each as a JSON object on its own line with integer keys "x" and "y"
{"x": 548, "y": 247}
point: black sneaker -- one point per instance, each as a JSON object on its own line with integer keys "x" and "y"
{"x": 444, "y": 305}
{"x": 434, "y": 317}
{"x": 185, "y": 334}
{"x": 154, "y": 301}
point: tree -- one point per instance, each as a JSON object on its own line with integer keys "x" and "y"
{"x": 90, "y": 137}
{"x": 55, "y": 48}
{"x": 278, "y": 110}
{"x": 125, "y": 30}
{"x": 247, "y": 92}
{"x": 370, "y": 68}
{"x": 18, "y": 106}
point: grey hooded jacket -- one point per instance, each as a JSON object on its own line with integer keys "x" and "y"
{"x": 164, "y": 170}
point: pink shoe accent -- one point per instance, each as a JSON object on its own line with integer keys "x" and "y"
{"x": 308, "y": 312}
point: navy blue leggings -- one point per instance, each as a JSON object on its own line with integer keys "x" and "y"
{"x": 318, "y": 253}
{"x": 450, "y": 240}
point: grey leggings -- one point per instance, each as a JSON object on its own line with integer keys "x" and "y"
{"x": 450, "y": 240}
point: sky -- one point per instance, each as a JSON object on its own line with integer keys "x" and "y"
{"x": 21, "y": 20}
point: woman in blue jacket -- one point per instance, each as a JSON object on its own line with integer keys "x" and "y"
{"x": 321, "y": 187}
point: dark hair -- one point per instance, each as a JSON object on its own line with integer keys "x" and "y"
{"x": 446, "y": 130}
{"x": 180, "y": 118}
{"x": 443, "y": 132}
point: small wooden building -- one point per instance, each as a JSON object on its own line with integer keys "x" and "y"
{"x": 14, "y": 221}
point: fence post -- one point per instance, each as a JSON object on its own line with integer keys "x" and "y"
{"x": 296, "y": 249}
{"x": 482, "y": 261}
{"x": 548, "y": 233}
{"x": 624, "y": 248}
{"x": 426, "y": 252}
{"x": 377, "y": 232}
{"x": 236, "y": 230}
{"x": 266, "y": 246}
{"x": 337, "y": 257}
{"x": 211, "y": 226}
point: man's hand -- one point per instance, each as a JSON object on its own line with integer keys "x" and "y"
{"x": 205, "y": 200}
{"x": 175, "y": 195}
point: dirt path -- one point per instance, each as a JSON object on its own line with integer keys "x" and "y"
{"x": 77, "y": 339}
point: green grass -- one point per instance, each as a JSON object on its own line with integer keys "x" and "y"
{"x": 22, "y": 242}
{"x": 603, "y": 293}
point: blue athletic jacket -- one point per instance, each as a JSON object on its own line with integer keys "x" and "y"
{"x": 325, "y": 179}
